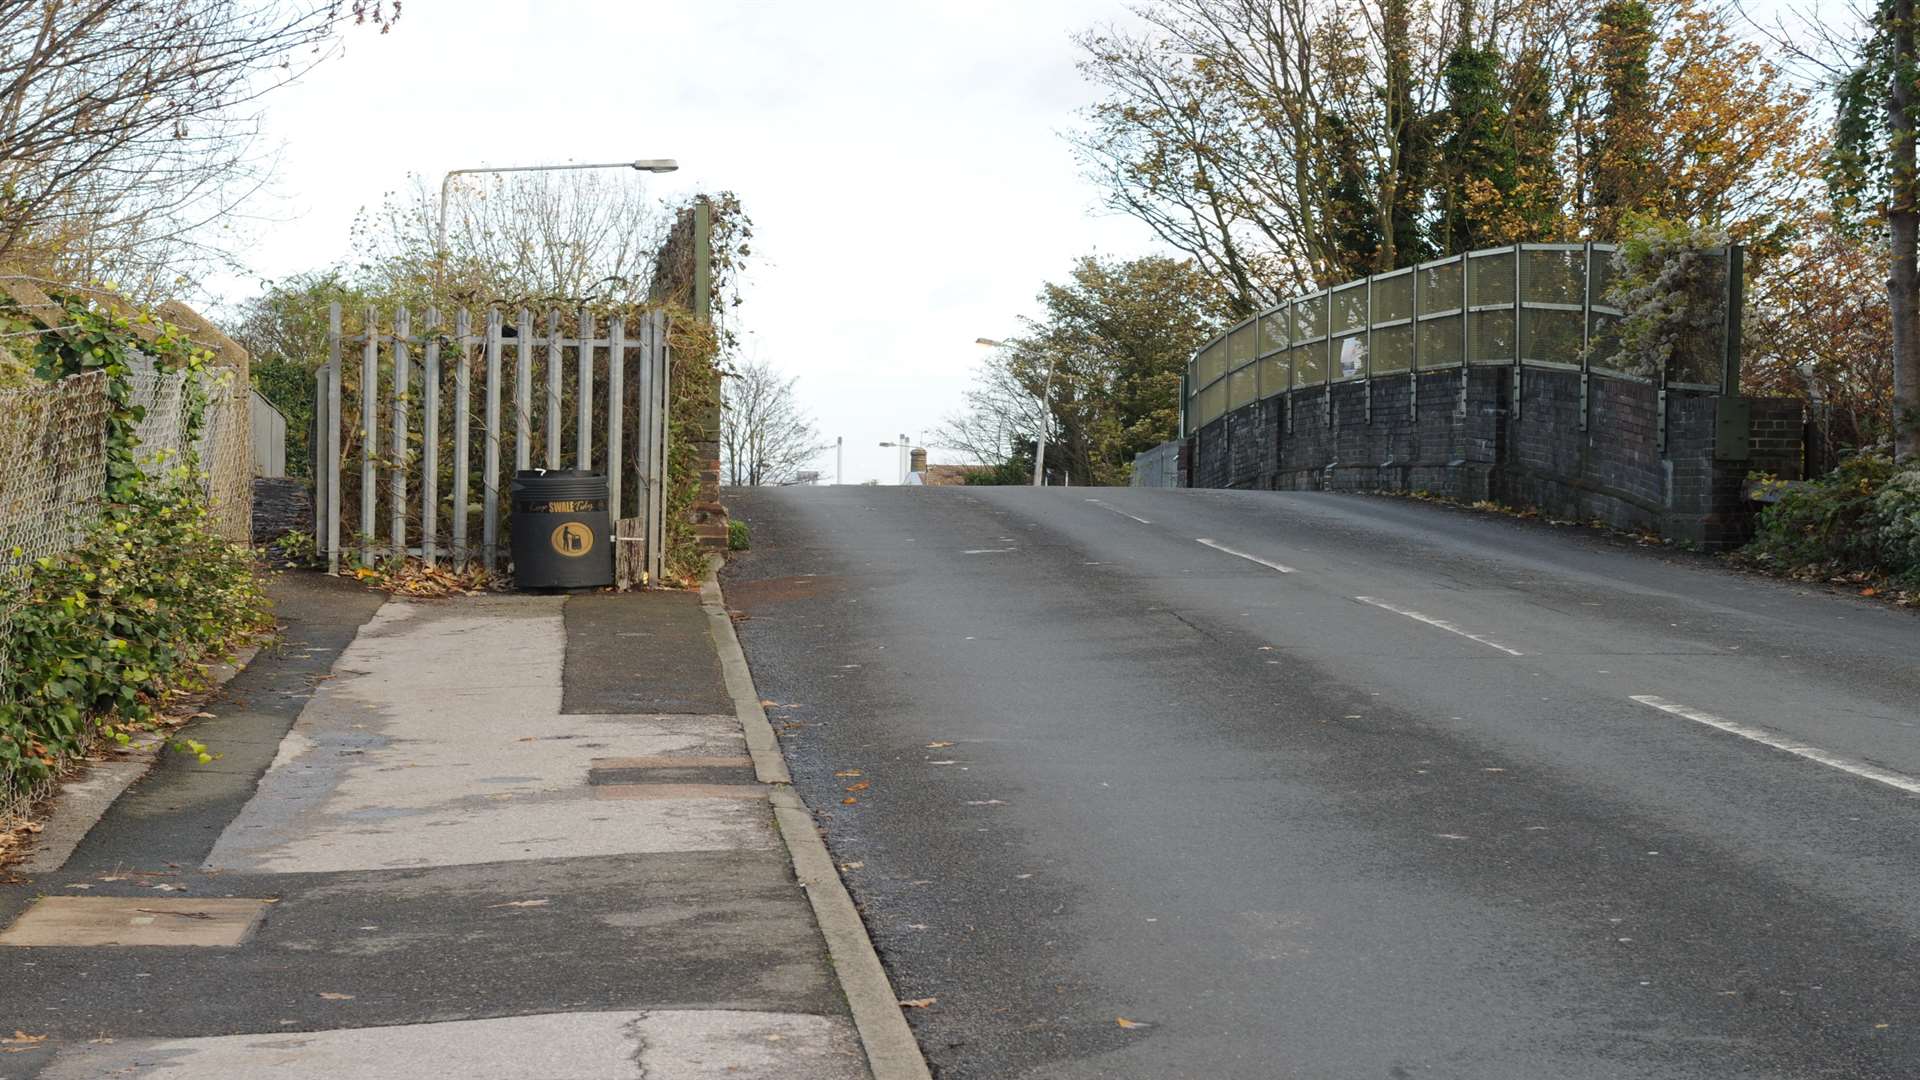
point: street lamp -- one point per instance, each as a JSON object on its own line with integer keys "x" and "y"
{"x": 1040, "y": 445}
{"x": 652, "y": 165}
{"x": 905, "y": 444}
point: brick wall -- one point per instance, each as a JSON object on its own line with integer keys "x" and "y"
{"x": 1460, "y": 434}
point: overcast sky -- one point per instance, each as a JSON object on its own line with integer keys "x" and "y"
{"x": 901, "y": 161}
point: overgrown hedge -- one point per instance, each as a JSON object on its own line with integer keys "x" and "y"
{"x": 103, "y": 633}
{"x": 1862, "y": 518}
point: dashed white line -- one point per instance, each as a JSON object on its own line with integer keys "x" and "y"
{"x": 1243, "y": 555}
{"x": 987, "y": 551}
{"x": 1442, "y": 624}
{"x": 1117, "y": 510}
{"x": 1892, "y": 779}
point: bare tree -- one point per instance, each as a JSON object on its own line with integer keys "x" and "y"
{"x": 125, "y": 125}
{"x": 518, "y": 238}
{"x": 764, "y": 435}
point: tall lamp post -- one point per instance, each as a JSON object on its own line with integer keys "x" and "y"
{"x": 1040, "y": 445}
{"x": 652, "y": 165}
{"x": 905, "y": 444}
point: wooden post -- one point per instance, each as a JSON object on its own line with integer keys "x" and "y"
{"x": 430, "y": 443}
{"x": 397, "y": 486}
{"x": 462, "y": 416}
{"x": 490, "y": 468}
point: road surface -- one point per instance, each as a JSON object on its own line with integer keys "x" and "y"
{"x": 1319, "y": 786}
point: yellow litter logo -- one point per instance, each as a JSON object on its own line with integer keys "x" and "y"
{"x": 573, "y": 539}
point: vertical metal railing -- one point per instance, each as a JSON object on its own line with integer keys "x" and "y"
{"x": 401, "y": 376}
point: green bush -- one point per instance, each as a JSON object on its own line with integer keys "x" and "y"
{"x": 1862, "y": 517}
{"x": 102, "y": 632}
{"x": 737, "y": 536}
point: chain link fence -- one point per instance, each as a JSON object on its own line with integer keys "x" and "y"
{"x": 53, "y": 463}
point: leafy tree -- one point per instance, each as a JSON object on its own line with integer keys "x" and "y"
{"x": 1875, "y": 180}
{"x": 1116, "y": 336}
{"x": 284, "y": 331}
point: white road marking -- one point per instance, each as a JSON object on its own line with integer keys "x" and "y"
{"x": 1244, "y": 555}
{"x": 986, "y": 551}
{"x": 1905, "y": 783}
{"x": 1117, "y": 510}
{"x": 1440, "y": 623}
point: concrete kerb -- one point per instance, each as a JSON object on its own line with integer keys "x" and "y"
{"x": 892, "y": 1051}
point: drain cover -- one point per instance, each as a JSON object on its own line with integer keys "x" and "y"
{"x": 134, "y": 920}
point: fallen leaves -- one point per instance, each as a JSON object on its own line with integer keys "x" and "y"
{"x": 1130, "y": 1025}
{"x": 938, "y": 745}
{"x": 918, "y": 1003}
{"x": 848, "y": 801}
{"x": 22, "y": 1038}
{"x": 861, "y": 786}
{"x": 413, "y": 578}
{"x": 329, "y": 996}
{"x": 844, "y": 773}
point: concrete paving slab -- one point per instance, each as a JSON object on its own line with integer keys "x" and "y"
{"x": 687, "y": 1045}
{"x": 441, "y": 742}
{"x": 61, "y": 921}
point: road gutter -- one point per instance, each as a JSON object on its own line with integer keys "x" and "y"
{"x": 892, "y": 1051}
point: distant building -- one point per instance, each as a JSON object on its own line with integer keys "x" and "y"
{"x": 950, "y": 475}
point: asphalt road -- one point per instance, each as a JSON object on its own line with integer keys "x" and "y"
{"x": 1328, "y": 786}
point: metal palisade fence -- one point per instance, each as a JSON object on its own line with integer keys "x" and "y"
{"x": 400, "y": 406}
{"x": 1527, "y": 305}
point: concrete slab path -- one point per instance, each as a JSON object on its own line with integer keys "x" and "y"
{"x": 487, "y": 841}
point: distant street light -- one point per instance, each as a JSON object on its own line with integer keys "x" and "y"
{"x": 652, "y": 165}
{"x": 905, "y": 444}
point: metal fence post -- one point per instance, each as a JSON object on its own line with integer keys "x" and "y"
{"x": 430, "y": 442}
{"x": 462, "y": 422}
{"x": 616, "y": 393}
{"x": 330, "y": 441}
{"x": 523, "y": 391}
{"x": 490, "y": 474}
{"x": 397, "y": 495}
{"x": 553, "y": 388}
{"x": 583, "y": 430}
{"x": 1518, "y": 379}
{"x": 663, "y": 418}
{"x": 369, "y": 410}
{"x": 1586, "y": 332}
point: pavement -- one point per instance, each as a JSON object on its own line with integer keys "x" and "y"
{"x": 1161, "y": 783}
{"x": 495, "y": 836}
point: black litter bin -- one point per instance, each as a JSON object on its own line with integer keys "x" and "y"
{"x": 562, "y": 533}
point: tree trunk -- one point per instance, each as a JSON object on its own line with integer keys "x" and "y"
{"x": 1903, "y": 224}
